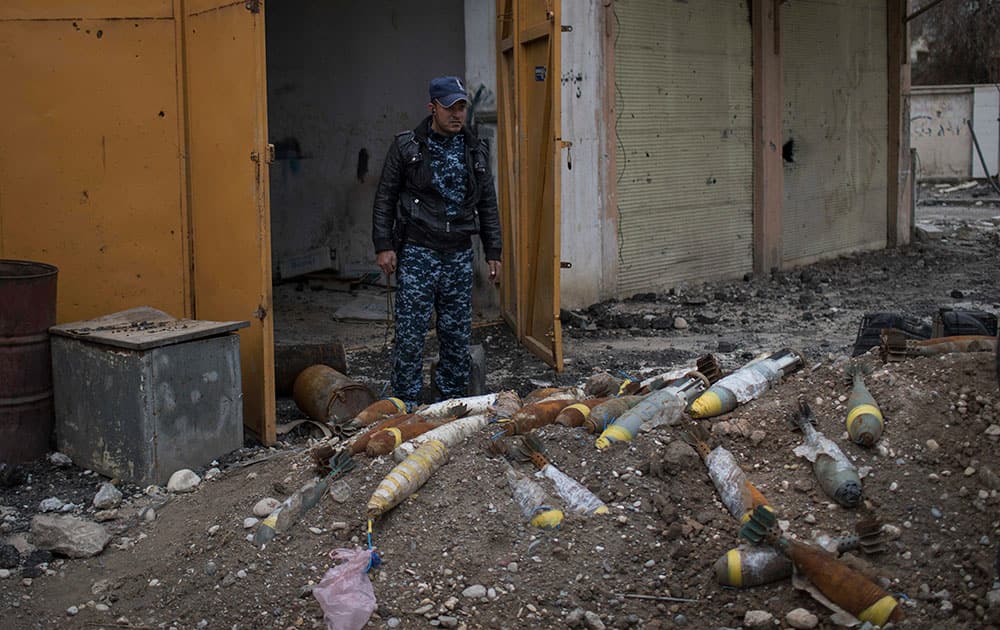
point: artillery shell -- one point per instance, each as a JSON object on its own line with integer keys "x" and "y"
{"x": 745, "y": 567}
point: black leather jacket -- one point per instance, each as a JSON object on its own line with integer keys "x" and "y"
{"x": 409, "y": 209}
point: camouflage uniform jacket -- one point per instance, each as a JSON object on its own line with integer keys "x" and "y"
{"x": 409, "y": 207}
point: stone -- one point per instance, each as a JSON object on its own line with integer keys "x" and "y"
{"x": 10, "y": 557}
{"x": 4, "y": 574}
{"x": 993, "y": 430}
{"x": 932, "y": 445}
{"x": 72, "y": 611}
{"x": 249, "y": 522}
{"x": 102, "y": 608}
{"x": 993, "y": 599}
{"x": 680, "y": 453}
{"x": 801, "y": 618}
{"x": 446, "y": 621}
{"x": 52, "y": 504}
{"x": 265, "y": 506}
{"x": 105, "y": 515}
{"x": 757, "y": 618}
{"x": 211, "y": 568}
{"x": 575, "y": 618}
{"x": 512, "y": 567}
{"x": 59, "y": 459}
{"x": 392, "y": 622}
{"x": 593, "y": 620}
{"x": 68, "y": 535}
{"x": 680, "y": 323}
{"x": 757, "y": 437}
{"x": 927, "y": 232}
{"x": 229, "y": 580}
{"x": 212, "y": 530}
{"x": 100, "y": 586}
{"x": 184, "y": 480}
{"x": 476, "y": 591}
{"x": 211, "y": 473}
{"x": 147, "y": 514}
{"x": 107, "y": 497}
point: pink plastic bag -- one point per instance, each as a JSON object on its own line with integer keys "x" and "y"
{"x": 345, "y": 593}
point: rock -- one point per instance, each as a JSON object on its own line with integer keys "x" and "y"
{"x": 249, "y": 522}
{"x": 100, "y": 586}
{"x": 680, "y": 323}
{"x": 212, "y": 530}
{"x": 241, "y": 574}
{"x": 993, "y": 599}
{"x": 105, "y": 515}
{"x": 38, "y": 556}
{"x": 59, "y": 459}
{"x": 757, "y": 437}
{"x": 211, "y": 473}
{"x": 102, "y": 608}
{"x": 72, "y": 611}
{"x": 68, "y": 535}
{"x": 993, "y": 430}
{"x": 491, "y": 594}
{"x": 512, "y": 567}
{"x": 927, "y": 232}
{"x": 184, "y": 480}
{"x": 727, "y": 346}
{"x": 4, "y": 574}
{"x": 265, "y": 506}
{"x": 593, "y": 620}
{"x": 107, "y": 497}
{"x": 476, "y": 591}
{"x": 10, "y": 557}
{"x": 989, "y": 478}
{"x": 757, "y": 618}
{"x": 392, "y": 622}
{"x": 447, "y": 622}
{"x": 575, "y": 618}
{"x": 229, "y": 580}
{"x": 211, "y": 568}
{"x": 52, "y": 504}
{"x": 801, "y": 618}
{"x": 147, "y": 514}
{"x": 932, "y": 445}
{"x": 680, "y": 453}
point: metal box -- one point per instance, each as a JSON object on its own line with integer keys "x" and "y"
{"x": 139, "y": 394}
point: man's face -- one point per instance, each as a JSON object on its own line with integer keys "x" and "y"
{"x": 448, "y": 120}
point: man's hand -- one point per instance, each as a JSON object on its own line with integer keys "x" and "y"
{"x": 494, "y": 271}
{"x": 387, "y": 261}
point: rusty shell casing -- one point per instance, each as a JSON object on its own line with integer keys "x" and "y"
{"x": 384, "y": 441}
{"x": 843, "y": 485}
{"x": 506, "y": 405}
{"x": 360, "y": 443}
{"x": 537, "y": 415}
{"x": 844, "y": 586}
{"x": 604, "y": 414}
{"x": 541, "y": 394}
{"x": 574, "y": 415}
{"x": 864, "y": 419}
{"x": 749, "y": 566}
{"x": 379, "y": 410}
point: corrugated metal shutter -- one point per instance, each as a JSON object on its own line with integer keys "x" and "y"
{"x": 834, "y": 56}
{"x": 685, "y": 167}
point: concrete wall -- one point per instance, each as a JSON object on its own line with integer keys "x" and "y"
{"x": 588, "y": 227}
{"x": 344, "y": 77}
{"x": 939, "y": 131}
{"x": 986, "y": 122}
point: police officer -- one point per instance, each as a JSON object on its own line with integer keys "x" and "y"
{"x": 435, "y": 193}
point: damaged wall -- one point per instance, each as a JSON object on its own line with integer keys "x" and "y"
{"x": 343, "y": 79}
{"x": 684, "y": 162}
{"x": 836, "y": 117}
{"x": 938, "y": 130}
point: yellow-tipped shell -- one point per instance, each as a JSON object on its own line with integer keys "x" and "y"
{"x": 706, "y": 406}
{"x": 548, "y": 519}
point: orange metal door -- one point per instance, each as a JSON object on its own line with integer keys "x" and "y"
{"x": 528, "y": 70}
{"x": 91, "y": 178}
{"x": 228, "y": 178}
{"x": 134, "y": 159}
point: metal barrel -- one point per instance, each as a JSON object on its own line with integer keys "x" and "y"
{"x": 27, "y": 310}
{"x": 326, "y": 395}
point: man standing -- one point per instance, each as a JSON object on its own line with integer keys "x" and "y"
{"x": 436, "y": 192}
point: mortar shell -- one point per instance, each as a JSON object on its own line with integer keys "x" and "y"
{"x": 574, "y": 415}
{"x": 714, "y": 402}
{"x": 745, "y": 567}
{"x": 537, "y": 415}
{"x": 379, "y": 410}
{"x": 843, "y": 586}
{"x": 843, "y": 486}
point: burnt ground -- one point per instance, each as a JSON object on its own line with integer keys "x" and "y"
{"x": 932, "y": 479}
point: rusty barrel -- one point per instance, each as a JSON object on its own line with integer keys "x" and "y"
{"x": 27, "y": 310}
{"x": 325, "y": 394}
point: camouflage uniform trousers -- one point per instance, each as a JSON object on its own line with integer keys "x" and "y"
{"x": 428, "y": 279}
